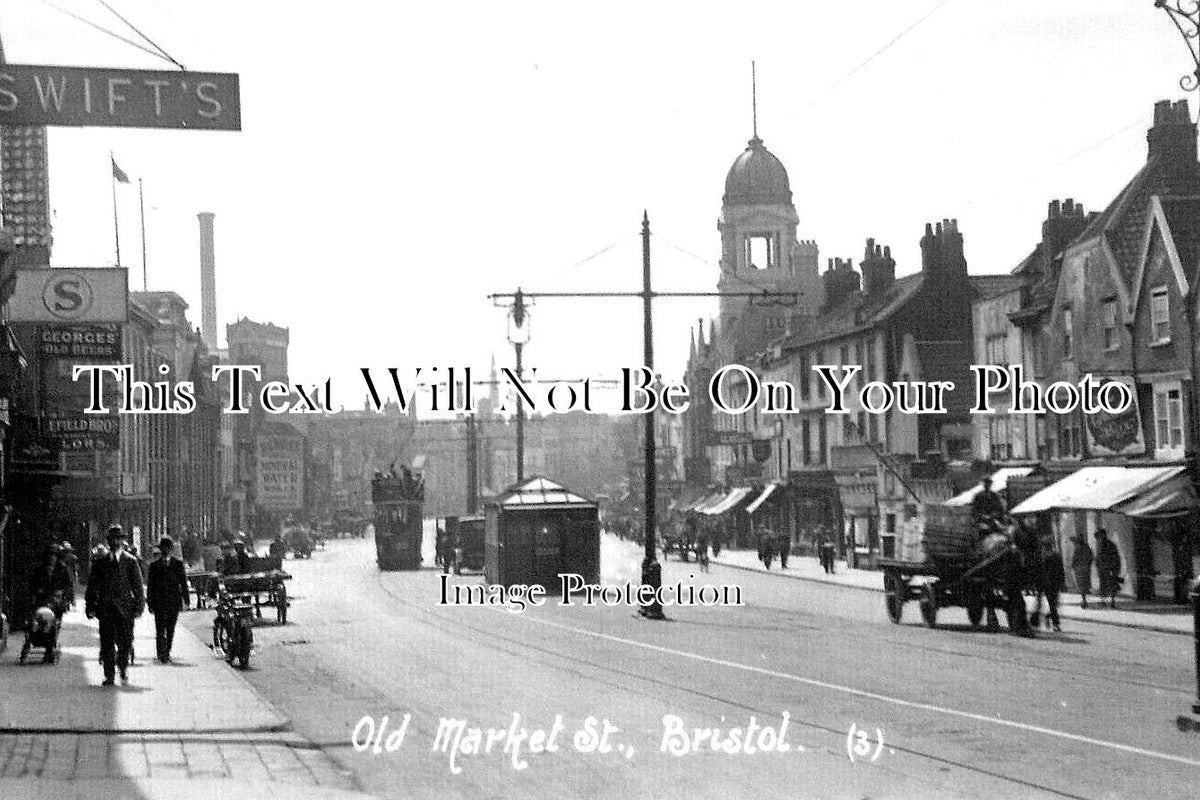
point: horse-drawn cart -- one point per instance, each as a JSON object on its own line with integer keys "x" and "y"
{"x": 959, "y": 569}
{"x": 261, "y": 583}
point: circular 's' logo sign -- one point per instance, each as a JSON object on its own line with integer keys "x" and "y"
{"x": 67, "y": 296}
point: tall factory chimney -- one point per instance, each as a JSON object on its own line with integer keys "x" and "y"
{"x": 208, "y": 282}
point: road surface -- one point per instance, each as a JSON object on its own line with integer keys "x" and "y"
{"x": 1087, "y": 713}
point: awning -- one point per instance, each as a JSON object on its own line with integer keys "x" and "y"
{"x": 1132, "y": 491}
{"x": 999, "y": 483}
{"x": 729, "y": 501}
{"x": 686, "y": 502}
{"x": 706, "y": 501}
{"x": 762, "y": 498}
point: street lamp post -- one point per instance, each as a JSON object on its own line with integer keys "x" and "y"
{"x": 1185, "y": 16}
{"x": 518, "y": 337}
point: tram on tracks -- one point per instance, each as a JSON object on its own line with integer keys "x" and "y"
{"x": 399, "y": 499}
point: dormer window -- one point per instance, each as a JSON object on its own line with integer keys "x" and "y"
{"x": 1160, "y": 315}
{"x": 762, "y": 251}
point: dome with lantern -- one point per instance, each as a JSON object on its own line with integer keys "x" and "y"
{"x": 757, "y": 177}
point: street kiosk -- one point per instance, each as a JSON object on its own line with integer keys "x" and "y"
{"x": 537, "y": 530}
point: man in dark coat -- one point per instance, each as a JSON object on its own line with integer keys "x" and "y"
{"x": 1108, "y": 565}
{"x": 115, "y": 596}
{"x": 987, "y": 506}
{"x": 166, "y": 593}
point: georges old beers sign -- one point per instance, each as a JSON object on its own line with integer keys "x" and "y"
{"x": 1116, "y": 434}
{"x": 119, "y": 98}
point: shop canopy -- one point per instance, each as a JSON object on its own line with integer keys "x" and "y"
{"x": 689, "y": 501}
{"x": 1132, "y": 491}
{"x": 757, "y": 502}
{"x": 705, "y": 501}
{"x": 999, "y": 483}
{"x": 727, "y": 502}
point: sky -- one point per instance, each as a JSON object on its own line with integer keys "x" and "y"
{"x": 399, "y": 162}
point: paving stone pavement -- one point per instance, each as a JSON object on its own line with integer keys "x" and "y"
{"x": 91, "y": 756}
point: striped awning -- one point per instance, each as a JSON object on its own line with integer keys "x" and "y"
{"x": 730, "y": 500}
{"x": 757, "y": 502}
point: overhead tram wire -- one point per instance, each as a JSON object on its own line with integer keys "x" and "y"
{"x": 102, "y": 29}
{"x": 134, "y": 28}
{"x": 733, "y": 275}
{"x": 613, "y": 245}
{"x": 891, "y": 42}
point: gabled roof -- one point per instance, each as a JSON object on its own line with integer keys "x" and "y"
{"x": 986, "y": 286}
{"x": 1123, "y": 223}
{"x": 1177, "y": 221}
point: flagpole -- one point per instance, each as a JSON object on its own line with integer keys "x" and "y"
{"x": 116, "y": 225}
{"x": 142, "y": 206}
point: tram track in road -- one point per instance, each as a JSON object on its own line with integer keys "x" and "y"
{"x": 886, "y": 635}
{"x": 588, "y": 669}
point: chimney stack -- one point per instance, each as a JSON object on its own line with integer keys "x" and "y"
{"x": 1173, "y": 136}
{"x": 208, "y": 282}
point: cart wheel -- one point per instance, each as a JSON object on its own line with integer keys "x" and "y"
{"x": 975, "y": 610}
{"x": 281, "y": 604}
{"x": 895, "y": 590}
{"x": 929, "y": 604}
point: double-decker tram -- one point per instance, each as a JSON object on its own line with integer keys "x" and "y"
{"x": 398, "y": 498}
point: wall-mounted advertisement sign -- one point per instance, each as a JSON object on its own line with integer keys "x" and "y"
{"x": 1116, "y": 434}
{"x": 33, "y": 94}
{"x": 280, "y": 481}
{"x": 70, "y": 295}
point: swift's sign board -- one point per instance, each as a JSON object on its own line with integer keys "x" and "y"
{"x": 119, "y": 98}
{"x": 70, "y": 295}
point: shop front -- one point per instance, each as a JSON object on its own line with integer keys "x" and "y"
{"x": 1150, "y": 513}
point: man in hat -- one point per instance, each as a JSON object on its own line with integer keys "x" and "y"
{"x": 987, "y": 507}
{"x": 166, "y": 593}
{"x": 116, "y": 597}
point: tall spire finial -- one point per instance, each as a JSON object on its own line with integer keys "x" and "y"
{"x": 754, "y": 96}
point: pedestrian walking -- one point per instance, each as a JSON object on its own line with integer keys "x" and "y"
{"x": 1108, "y": 565}
{"x": 116, "y": 597}
{"x": 166, "y": 594}
{"x": 765, "y": 551}
{"x": 71, "y": 562}
{"x": 1081, "y": 566}
{"x": 784, "y": 545}
{"x": 51, "y": 584}
{"x": 1050, "y": 577}
{"x": 702, "y": 550}
{"x": 825, "y": 549}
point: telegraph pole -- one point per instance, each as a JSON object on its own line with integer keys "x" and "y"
{"x": 651, "y": 569}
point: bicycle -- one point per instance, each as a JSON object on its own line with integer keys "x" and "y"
{"x": 231, "y": 634}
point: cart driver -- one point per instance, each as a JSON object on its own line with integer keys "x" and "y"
{"x": 987, "y": 508}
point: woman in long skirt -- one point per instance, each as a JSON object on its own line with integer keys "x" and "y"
{"x": 1081, "y": 566}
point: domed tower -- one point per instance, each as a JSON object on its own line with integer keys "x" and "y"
{"x": 759, "y": 250}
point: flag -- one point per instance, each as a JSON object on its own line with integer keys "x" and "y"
{"x": 118, "y": 173}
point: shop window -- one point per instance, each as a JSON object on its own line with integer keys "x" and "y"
{"x": 1168, "y": 419}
